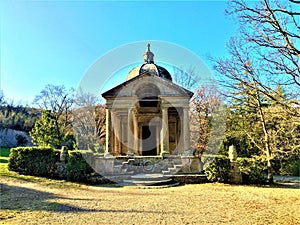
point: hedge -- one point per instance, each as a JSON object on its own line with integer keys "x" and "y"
{"x": 290, "y": 167}
{"x": 34, "y": 161}
{"x": 78, "y": 165}
{"x": 45, "y": 162}
{"x": 252, "y": 169}
{"x": 218, "y": 169}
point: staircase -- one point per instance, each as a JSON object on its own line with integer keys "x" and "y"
{"x": 147, "y": 172}
{"x": 147, "y": 166}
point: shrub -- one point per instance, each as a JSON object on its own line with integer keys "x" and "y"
{"x": 218, "y": 170}
{"x": 21, "y": 140}
{"x": 78, "y": 165}
{"x": 290, "y": 167}
{"x": 33, "y": 161}
{"x": 252, "y": 170}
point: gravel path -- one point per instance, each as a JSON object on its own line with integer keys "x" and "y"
{"x": 32, "y": 203}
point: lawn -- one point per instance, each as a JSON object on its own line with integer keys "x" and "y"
{"x": 4, "y": 154}
{"x": 35, "y": 200}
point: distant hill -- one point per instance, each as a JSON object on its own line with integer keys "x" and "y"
{"x": 18, "y": 117}
{"x": 15, "y": 124}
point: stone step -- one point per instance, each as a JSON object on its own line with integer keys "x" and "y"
{"x": 147, "y": 182}
{"x": 166, "y": 172}
{"x": 153, "y": 176}
{"x": 178, "y": 166}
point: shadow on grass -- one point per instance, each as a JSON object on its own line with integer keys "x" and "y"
{"x": 279, "y": 184}
{"x": 20, "y": 198}
{"x": 3, "y": 160}
{"x": 276, "y": 184}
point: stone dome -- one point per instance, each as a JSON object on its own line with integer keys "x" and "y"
{"x": 149, "y": 66}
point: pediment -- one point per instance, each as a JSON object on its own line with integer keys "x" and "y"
{"x": 147, "y": 84}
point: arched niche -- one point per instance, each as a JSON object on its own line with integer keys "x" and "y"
{"x": 147, "y": 95}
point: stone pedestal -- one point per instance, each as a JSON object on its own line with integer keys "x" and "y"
{"x": 235, "y": 175}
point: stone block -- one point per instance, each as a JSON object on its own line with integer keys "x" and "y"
{"x": 104, "y": 165}
{"x": 195, "y": 165}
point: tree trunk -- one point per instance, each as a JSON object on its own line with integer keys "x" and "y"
{"x": 266, "y": 139}
{"x": 270, "y": 172}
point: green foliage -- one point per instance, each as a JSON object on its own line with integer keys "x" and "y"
{"x": 21, "y": 140}
{"x": 39, "y": 161}
{"x": 18, "y": 117}
{"x": 218, "y": 170}
{"x": 69, "y": 141}
{"x": 78, "y": 165}
{"x": 45, "y": 132}
{"x": 252, "y": 170}
{"x": 33, "y": 161}
{"x": 290, "y": 167}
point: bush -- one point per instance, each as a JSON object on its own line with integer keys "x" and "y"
{"x": 34, "y": 161}
{"x": 21, "y": 140}
{"x": 78, "y": 165}
{"x": 218, "y": 170}
{"x": 252, "y": 170}
{"x": 290, "y": 167}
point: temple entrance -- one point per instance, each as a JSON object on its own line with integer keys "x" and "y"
{"x": 149, "y": 145}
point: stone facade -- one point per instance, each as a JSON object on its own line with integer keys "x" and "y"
{"x": 147, "y": 115}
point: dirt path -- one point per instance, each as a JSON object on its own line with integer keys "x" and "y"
{"x": 31, "y": 203}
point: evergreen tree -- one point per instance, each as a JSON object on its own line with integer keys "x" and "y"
{"x": 45, "y": 133}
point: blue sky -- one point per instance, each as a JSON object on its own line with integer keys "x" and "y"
{"x": 55, "y": 42}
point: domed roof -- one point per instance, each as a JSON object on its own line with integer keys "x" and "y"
{"x": 149, "y": 66}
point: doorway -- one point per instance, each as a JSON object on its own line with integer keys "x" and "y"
{"x": 149, "y": 145}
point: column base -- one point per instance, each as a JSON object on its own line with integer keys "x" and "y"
{"x": 130, "y": 153}
{"x": 108, "y": 155}
{"x": 165, "y": 154}
{"x": 188, "y": 152}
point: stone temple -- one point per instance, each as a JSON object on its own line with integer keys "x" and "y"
{"x": 147, "y": 115}
{"x": 147, "y": 124}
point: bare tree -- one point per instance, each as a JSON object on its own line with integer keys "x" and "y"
{"x": 2, "y": 99}
{"x": 205, "y": 109}
{"x": 89, "y": 121}
{"x": 59, "y": 101}
{"x": 272, "y": 29}
{"x": 264, "y": 55}
{"x": 186, "y": 78}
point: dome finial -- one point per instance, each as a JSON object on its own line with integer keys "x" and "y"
{"x": 148, "y": 55}
{"x": 148, "y": 47}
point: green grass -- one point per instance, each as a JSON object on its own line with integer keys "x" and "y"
{"x": 4, "y": 156}
{"x": 4, "y": 152}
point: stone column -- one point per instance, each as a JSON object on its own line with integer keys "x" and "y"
{"x": 135, "y": 134}
{"x": 130, "y": 133}
{"x": 117, "y": 135}
{"x": 108, "y": 132}
{"x": 123, "y": 134}
{"x": 164, "y": 135}
{"x": 186, "y": 131}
